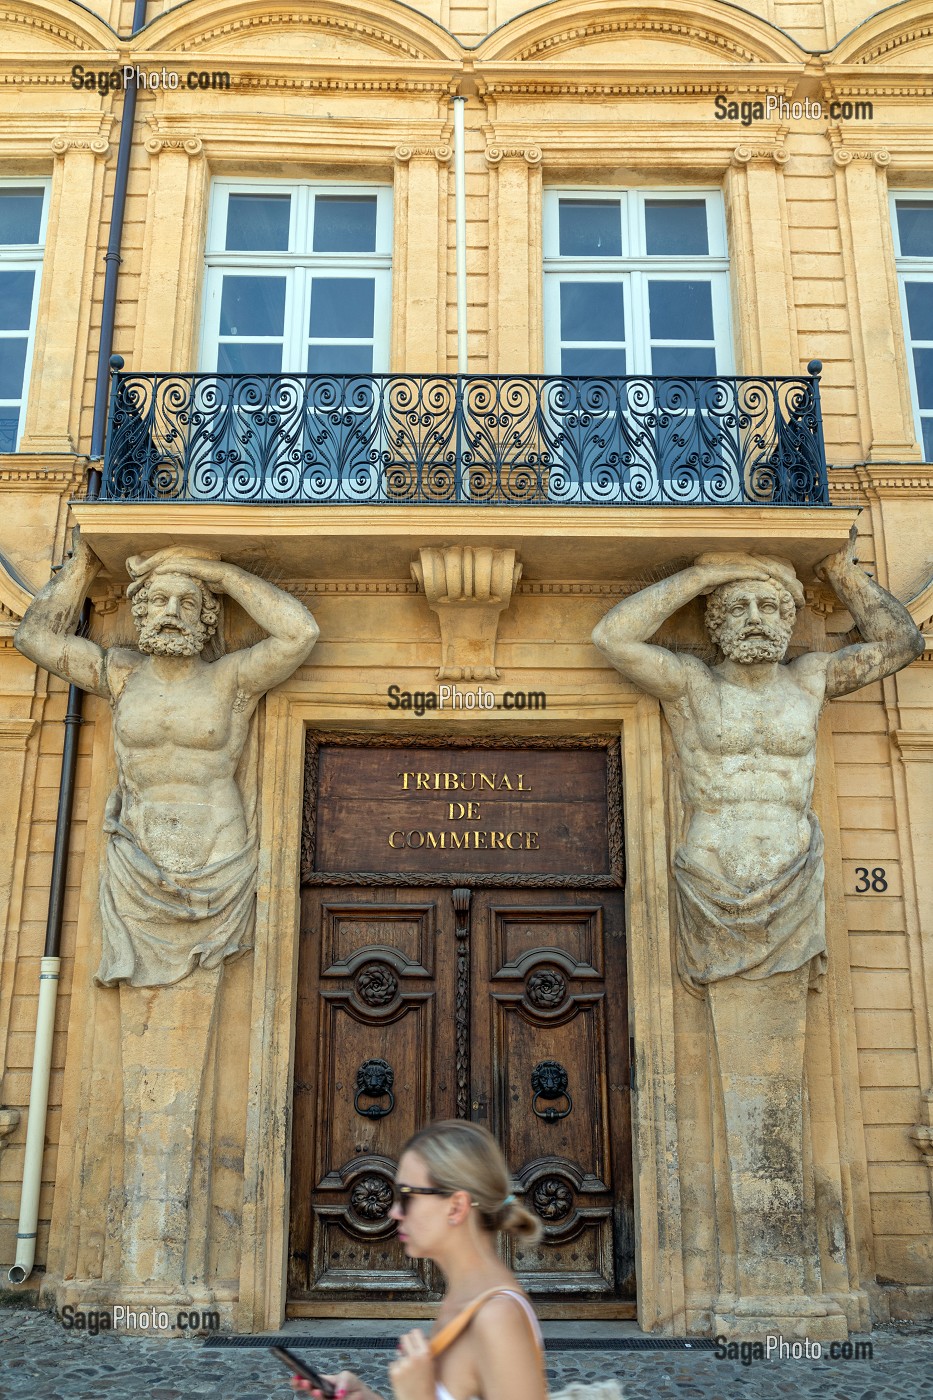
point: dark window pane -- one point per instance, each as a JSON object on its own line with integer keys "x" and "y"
{"x": 589, "y": 228}
{"x": 915, "y": 224}
{"x": 342, "y": 307}
{"x": 16, "y": 300}
{"x": 681, "y": 310}
{"x": 927, "y": 425}
{"x": 591, "y": 311}
{"x": 920, "y": 310}
{"x": 9, "y": 423}
{"x": 340, "y": 359}
{"x": 245, "y": 358}
{"x": 923, "y": 368}
{"x": 682, "y": 360}
{"x": 252, "y": 306}
{"x": 20, "y": 215}
{"x": 258, "y": 222}
{"x": 676, "y": 226}
{"x": 608, "y": 363}
{"x": 344, "y": 223}
{"x": 12, "y": 365}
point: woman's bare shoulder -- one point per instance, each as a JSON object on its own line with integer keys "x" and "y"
{"x": 505, "y": 1313}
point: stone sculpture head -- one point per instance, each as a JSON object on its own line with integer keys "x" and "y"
{"x": 175, "y": 614}
{"x": 751, "y": 621}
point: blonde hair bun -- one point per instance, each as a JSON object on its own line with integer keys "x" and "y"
{"x": 464, "y": 1156}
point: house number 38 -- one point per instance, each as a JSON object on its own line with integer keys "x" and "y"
{"x": 870, "y": 879}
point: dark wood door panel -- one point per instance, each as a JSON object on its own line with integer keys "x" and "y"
{"x": 374, "y": 1061}
{"x": 550, "y": 1054}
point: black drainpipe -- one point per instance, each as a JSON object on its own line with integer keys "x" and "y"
{"x": 73, "y": 718}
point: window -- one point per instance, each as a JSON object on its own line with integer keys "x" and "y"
{"x": 298, "y": 282}
{"x": 23, "y": 212}
{"x": 913, "y": 243}
{"x": 636, "y": 282}
{"x": 298, "y": 279}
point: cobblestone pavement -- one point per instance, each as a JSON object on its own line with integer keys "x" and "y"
{"x": 39, "y": 1359}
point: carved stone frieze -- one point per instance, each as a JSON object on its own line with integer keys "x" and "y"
{"x": 468, "y": 588}
{"x": 443, "y": 154}
{"x": 532, "y": 155}
{"x": 744, "y": 155}
{"x": 191, "y": 145}
{"x": 99, "y": 145}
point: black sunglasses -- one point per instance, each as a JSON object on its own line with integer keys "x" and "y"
{"x": 403, "y": 1194}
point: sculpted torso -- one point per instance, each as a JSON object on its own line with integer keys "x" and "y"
{"x": 178, "y": 741}
{"x": 747, "y": 758}
{"x": 745, "y": 728}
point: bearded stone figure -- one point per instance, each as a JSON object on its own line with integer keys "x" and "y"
{"x": 178, "y": 879}
{"x": 748, "y": 875}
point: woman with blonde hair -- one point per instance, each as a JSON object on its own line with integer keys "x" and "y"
{"x": 453, "y": 1196}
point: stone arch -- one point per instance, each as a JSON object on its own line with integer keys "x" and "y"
{"x": 891, "y": 36}
{"x": 55, "y": 25}
{"x": 715, "y": 30}
{"x": 390, "y": 27}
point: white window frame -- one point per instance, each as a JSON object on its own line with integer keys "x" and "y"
{"x": 633, "y": 267}
{"x": 25, "y": 257}
{"x": 299, "y": 265}
{"x": 911, "y": 269}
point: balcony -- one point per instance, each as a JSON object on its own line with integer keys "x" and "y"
{"x": 470, "y": 440}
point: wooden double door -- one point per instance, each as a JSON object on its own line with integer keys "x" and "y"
{"x": 506, "y": 1006}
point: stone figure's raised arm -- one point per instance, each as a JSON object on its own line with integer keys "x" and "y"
{"x": 292, "y": 630}
{"x": 892, "y": 638}
{"x": 47, "y": 632}
{"x": 622, "y": 634}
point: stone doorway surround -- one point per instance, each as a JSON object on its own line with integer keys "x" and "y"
{"x": 659, "y": 1254}
{"x": 675, "y": 1247}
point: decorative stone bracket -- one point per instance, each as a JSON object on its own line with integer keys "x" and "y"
{"x": 468, "y": 589}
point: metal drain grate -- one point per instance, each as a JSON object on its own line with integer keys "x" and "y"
{"x": 299, "y": 1343}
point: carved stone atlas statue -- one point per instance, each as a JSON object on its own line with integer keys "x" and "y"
{"x": 178, "y": 882}
{"x": 748, "y": 874}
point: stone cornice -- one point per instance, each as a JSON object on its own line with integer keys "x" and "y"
{"x": 15, "y": 733}
{"x": 646, "y": 80}
{"x": 42, "y": 135}
{"x": 882, "y": 478}
{"x": 915, "y": 745}
{"x": 354, "y": 139}
{"x": 19, "y": 470}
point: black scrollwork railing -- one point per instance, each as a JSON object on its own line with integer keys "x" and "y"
{"x": 391, "y": 439}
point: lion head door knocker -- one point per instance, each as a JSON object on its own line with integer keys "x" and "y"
{"x": 374, "y": 1080}
{"x": 549, "y": 1080}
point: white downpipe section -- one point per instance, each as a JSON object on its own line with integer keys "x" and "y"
{"x": 35, "y": 1129}
{"x": 460, "y": 224}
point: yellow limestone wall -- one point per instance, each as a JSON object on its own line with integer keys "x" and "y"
{"x": 609, "y": 94}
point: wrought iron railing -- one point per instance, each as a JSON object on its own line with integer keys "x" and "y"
{"x": 395, "y": 439}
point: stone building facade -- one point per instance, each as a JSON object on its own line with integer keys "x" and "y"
{"x": 671, "y": 189}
